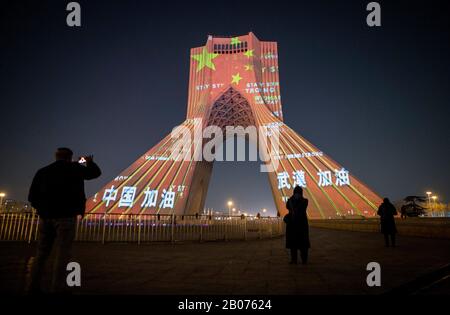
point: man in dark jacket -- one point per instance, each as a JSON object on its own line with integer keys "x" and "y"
{"x": 297, "y": 229}
{"x": 57, "y": 194}
{"x": 387, "y": 211}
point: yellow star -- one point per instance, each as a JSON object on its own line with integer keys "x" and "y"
{"x": 248, "y": 67}
{"x": 235, "y": 41}
{"x": 249, "y": 53}
{"x": 205, "y": 59}
{"x": 236, "y": 79}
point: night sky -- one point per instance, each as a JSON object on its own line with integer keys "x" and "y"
{"x": 375, "y": 99}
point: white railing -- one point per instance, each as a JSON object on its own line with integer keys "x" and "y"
{"x": 148, "y": 228}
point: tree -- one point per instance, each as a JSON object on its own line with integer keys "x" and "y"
{"x": 411, "y": 206}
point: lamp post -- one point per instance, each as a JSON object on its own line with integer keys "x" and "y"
{"x": 2, "y": 195}
{"x": 264, "y": 210}
{"x": 429, "y": 200}
{"x": 230, "y": 203}
{"x": 434, "y": 202}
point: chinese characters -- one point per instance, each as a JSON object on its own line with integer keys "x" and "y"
{"x": 128, "y": 197}
{"x": 298, "y": 178}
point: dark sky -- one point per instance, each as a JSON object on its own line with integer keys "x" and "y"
{"x": 375, "y": 100}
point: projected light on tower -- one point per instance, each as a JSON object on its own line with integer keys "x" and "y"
{"x": 234, "y": 82}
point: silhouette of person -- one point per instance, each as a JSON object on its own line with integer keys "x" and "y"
{"x": 387, "y": 211}
{"x": 57, "y": 194}
{"x": 297, "y": 229}
{"x": 403, "y": 212}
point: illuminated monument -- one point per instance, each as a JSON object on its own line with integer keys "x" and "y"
{"x": 234, "y": 82}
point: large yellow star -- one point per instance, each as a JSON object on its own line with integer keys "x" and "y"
{"x": 249, "y": 53}
{"x": 248, "y": 67}
{"x": 235, "y": 41}
{"x": 205, "y": 59}
{"x": 236, "y": 78}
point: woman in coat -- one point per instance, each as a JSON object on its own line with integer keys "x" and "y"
{"x": 387, "y": 211}
{"x": 297, "y": 229}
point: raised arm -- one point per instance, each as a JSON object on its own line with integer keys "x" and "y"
{"x": 91, "y": 170}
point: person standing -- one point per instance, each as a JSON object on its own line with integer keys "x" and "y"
{"x": 403, "y": 212}
{"x": 297, "y": 229}
{"x": 57, "y": 194}
{"x": 387, "y": 211}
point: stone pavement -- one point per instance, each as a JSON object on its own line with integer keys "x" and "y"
{"x": 337, "y": 265}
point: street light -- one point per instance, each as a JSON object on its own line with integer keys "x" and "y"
{"x": 2, "y": 195}
{"x": 429, "y": 200}
{"x": 264, "y": 210}
{"x": 230, "y": 203}
{"x": 434, "y": 202}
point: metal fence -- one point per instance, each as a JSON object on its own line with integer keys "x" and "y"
{"x": 148, "y": 228}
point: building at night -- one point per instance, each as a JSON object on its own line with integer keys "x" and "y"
{"x": 234, "y": 81}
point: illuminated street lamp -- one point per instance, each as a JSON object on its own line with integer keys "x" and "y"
{"x": 429, "y": 200}
{"x": 264, "y": 210}
{"x": 434, "y": 202}
{"x": 234, "y": 210}
{"x": 2, "y": 195}
{"x": 230, "y": 203}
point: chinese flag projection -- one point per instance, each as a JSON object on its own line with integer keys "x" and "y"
{"x": 234, "y": 82}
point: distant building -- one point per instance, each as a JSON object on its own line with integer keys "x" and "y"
{"x": 15, "y": 206}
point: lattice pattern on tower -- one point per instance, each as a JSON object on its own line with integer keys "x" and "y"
{"x": 231, "y": 109}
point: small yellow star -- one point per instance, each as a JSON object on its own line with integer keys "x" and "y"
{"x": 236, "y": 79}
{"x": 248, "y": 67}
{"x": 249, "y": 53}
{"x": 235, "y": 41}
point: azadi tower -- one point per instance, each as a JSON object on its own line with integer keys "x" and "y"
{"x": 234, "y": 81}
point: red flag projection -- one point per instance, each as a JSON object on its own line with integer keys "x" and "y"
{"x": 234, "y": 82}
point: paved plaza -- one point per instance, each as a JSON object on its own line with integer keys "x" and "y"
{"x": 337, "y": 265}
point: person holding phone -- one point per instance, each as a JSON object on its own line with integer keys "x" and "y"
{"x": 297, "y": 228}
{"x": 57, "y": 194}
